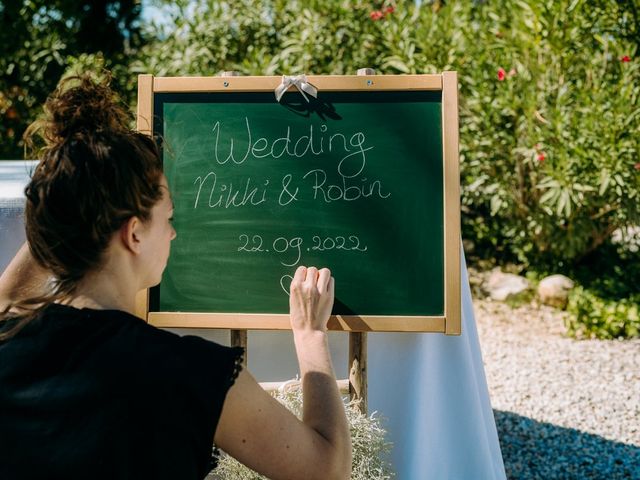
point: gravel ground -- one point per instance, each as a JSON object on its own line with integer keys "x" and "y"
{"x": 565, "y": 409}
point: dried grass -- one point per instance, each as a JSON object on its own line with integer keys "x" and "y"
{"x": 370, "y": 449}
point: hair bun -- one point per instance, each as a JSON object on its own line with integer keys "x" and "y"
{"x": 79, "y": 107}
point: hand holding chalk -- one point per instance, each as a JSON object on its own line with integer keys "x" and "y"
{"x": 311, "y": 299}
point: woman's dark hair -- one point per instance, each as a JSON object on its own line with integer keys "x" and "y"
{"x": 94, "y": 174}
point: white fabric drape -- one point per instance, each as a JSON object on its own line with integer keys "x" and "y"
{"x": 433, "y": 390}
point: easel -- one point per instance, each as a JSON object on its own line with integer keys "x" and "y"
{"x": 355, "y": 325}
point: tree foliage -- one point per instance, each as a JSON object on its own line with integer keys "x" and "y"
{"x": 36, "y": 39}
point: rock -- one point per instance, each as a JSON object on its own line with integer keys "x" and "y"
{"x": 554, "y": 290}
{"x": 477, "y": 282}
{"x": 501, "y": 285}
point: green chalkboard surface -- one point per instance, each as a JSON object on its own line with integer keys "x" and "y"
{"x": 350, "y": 180}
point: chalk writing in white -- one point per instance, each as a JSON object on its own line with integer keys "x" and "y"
{"x": 345, "y": 190}
{"x": 286, "y": 197}
{"x": 225, "y": 195}
{"x": 315, "y": 144}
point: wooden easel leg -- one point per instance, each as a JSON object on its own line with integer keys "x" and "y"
{"x": 358, "y": 342}
{"x": 358, "y": 369}
{"x": 239, "y": 339}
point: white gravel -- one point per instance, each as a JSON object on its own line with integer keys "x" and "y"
{"x": 564, "y": 408}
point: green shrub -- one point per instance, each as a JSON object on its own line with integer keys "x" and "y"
{"x": 550, "y": 116}
{"x": 369, "y": 447}
{"x": 611, "y": 273}
{"x": 606, "y": 301}
{"x": 591, "y": 316}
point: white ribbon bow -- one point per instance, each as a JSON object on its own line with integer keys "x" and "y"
{"x": 298, "y": 81}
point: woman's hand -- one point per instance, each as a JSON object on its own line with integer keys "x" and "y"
{"x": 311, "y": 299}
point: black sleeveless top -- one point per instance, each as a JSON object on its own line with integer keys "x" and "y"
{"x": 100, "y": 394}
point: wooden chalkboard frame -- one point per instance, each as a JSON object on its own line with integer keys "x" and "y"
{"x": 448, "y": 323}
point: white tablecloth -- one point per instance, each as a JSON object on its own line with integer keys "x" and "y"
{"x": 430, "y": 388}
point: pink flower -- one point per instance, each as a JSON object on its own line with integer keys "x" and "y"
{"x": 389, "y": 10}
{"x": 625, "y": 59}
{"x": 376, "y": 15}
{"x": 637, "y": 166}
{"x": 541, "y": 157}
{"x": 501, "y": 74}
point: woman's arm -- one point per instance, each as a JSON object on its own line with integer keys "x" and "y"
{"x": 23, "y": 278}
{"x": 261, "y": 433}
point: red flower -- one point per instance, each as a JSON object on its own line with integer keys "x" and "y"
{"x": 541, "y": 157}
{"x": 11, "y": 113}
{"x": 501, "y": 74}
{"x": 637, "y": 166}
{"x": 376, "y": 15}
{"x": 389, "y": 10}
{"x": 625, "y": 59}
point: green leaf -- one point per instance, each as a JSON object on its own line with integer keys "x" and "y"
{"x": 605, "y": 179}
{"x": 550, "y": 195}
{"x": 396, "y": 64}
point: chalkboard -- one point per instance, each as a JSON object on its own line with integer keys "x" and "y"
{"x": 351, "y": 180}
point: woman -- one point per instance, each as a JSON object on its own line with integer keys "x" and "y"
{"x": 88, "y": 390}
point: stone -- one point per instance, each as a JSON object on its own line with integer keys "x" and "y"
{"x": 554, "y": 290}
{"x": 501, "y": 285}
